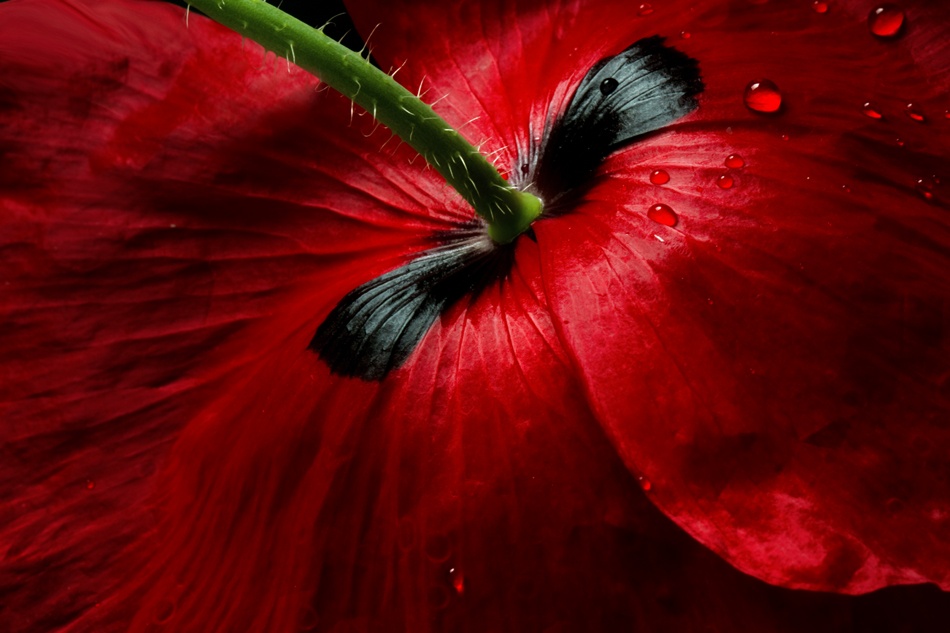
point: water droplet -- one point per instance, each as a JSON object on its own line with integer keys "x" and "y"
{"x": 915, "y": 114}
{"x": 686, "y": 35}
{"x": 819, "y": 7}
{"x": 90, "y": 484}
{"x": 644, "y": 483}
{"x": 886, "y": 20}
{"x": 946, "y": 114}
{"x": 900, "y": 142}
{"x": 645, "y": 9}
{"x": 457, "y": 580}
{"x": 925, "y": 188}
{"x": 659, "y": 177}
{"x": 870, "y": 110}
{"x": 846, "y": 188}
{"x": 785, "y": 137}
{"x": 734, "y": 161}
{"x": 438, "y": 548}
{"x": 608, "y": 85}
{"x": 725, "y": 181}
{"x": 662, "y": 214}
{"x": 763, "y": 96}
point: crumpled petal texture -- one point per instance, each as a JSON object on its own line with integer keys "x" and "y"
{"x": 775, "y": 364}
{"x": 179, "y": 212}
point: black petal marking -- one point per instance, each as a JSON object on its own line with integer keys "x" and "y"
{"x": 642, "y": 89}
{"x": 375, "y": 328}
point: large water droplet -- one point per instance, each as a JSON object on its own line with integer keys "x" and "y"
{"x": 734, "y": 161}
{"x": 608, "y": 85}
{"x": 915, "y": 114}
{"x": 925, "y": 188}
{"x": 659, "y": 177}
{"x": 871, "y": 110}
{"x": 457, "y": 580}
{"x": 725, "y": 181}
{"x": 763, "y": 96}
{"x": 886, "y": 20}
{"x": 819, "y": 7}
{"x": 645, "y": 9}
{"x": 662, "y": 214}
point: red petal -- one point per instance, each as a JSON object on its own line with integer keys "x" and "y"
{"x": 775, "y": 363}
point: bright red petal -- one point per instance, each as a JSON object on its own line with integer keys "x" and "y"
{"x": 775, "y": 363}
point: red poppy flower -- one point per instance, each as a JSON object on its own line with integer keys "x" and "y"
{"x": 741, "y": 323}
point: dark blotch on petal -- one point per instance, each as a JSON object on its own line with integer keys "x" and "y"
{"x": 375, "y": 328}
{"x": 648, "y": 86}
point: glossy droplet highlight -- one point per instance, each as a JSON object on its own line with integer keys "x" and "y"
{"x": 725, "y": 181}
{"x": 686, "y": 35}
{"x": 914, "y": 113}
{"x": 734, "y": 161}
{"x": 90, "y": 484}
{"x": 886, "y": 20}
{"x": 846, "y": 188}
{"x": 925, "y": 188}
{"x": 662, "y": 214}
{"x": 871, "y": 111}
{"x": 659, "y": 177}
{"x": 644, "y": 483}
{"x": 763, "y": 96}
{"x": 645, "y": 9}
{"x": 946, "y": 114}
{"x": 819, "y": 7}
{"x": 457, "y": 580}
{"x": 608, "y": 85}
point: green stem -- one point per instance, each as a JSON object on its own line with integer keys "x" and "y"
{"x": 508, "y": 211}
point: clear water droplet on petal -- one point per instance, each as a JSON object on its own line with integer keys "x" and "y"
{"x": 644, "y": 483}
{"x": 685, "y": 35}
{"x": 871, "y": 111}
{"x": 763, "y": 96}
{"x": 659, "y": 177}
{"x": 645, "y": 9}
{"x": 886, "y": 21}
{"x": 457, "y": 579}
{"x": 90, "y": 484}
{"x": 925, "y": 188}
{"x": 734, "y": 161}
{"x": 725, "y": 181}
{"x": 662, "y": 214}
{"x": 818, "y": 6}
{"x": 915, "y": 114}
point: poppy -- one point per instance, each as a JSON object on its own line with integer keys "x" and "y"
{"x": 709, "y": 391}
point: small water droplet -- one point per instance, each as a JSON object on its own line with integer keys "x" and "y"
{"x": 785, "y": 137}
{"x": 457, "y": 580}
{"x": 734, "y": 161}
{"x": 819, "y": 7}
{"x": 438, "y": 548}
{"x": 644, "y": 483}
{"x": 871, "y": 111}
{"x": 645, "y": 9}
{"x": 846, "y": 188}
{"x": 608, "y": 85}
{"x": 662, "y": 214}
{"x": 659, "y": 177}
{"x": 925, "y": 188}
{"x": 90, "y": 484}
{"x": 946, "y": 114}
{"x": 725, "y": 181}
{"x": 763, "y": 96}
{"x": 900, "y": 142}
{"x": 886, "y": 21}
{"x": 685, "y": 35}
{"x": 915, "y": 114}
